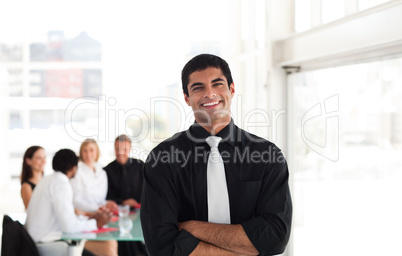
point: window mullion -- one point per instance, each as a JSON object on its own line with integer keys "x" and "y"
{"x": 316, "y": 13}
{"x": 350, "y": 7}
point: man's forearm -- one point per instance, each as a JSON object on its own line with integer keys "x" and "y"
{"x": 229, "y": 237}
{"x": 204, "y": 248}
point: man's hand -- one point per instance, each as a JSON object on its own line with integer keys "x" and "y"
{"x": 111, "y": 206}
{"x": 131, "y": 202}
{"x": 102, "y": 217}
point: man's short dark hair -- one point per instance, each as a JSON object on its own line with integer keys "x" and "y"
{"x": 201, "y": 62}
{"x": 64, "y": 160}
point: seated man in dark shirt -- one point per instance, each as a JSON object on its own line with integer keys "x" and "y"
{"x": 125, "y": 177}
{"x": 215, "y": 189}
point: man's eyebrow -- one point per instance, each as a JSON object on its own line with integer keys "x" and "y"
{"x": 195, "y": 84}
{"x": 218, "y": 80}
{"x": 213, "y": 81}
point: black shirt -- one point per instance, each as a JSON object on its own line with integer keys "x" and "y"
{"x": 124, "y": 181}
{"x": 175, "y": 190}
{"x": 30, "y": 184}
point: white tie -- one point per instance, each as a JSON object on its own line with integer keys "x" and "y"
{"x": 218, "y": 198}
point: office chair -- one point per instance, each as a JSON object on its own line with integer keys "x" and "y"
{"x": 17, "y": 241}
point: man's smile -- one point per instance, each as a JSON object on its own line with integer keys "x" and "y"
{"x": 210, "y": 104}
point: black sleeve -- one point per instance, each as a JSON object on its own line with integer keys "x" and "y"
{"x": 159, "y": 212}
{"x": 113, "y": 190}
{"x": 269, "y": 231}
{"x": 139, "y": 181}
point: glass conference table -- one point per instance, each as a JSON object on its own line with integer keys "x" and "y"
{"x": 135, "y": 234}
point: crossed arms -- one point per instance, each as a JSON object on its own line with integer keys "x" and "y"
{"x": 174, "y": 218}
{"x": 219, "y": 239}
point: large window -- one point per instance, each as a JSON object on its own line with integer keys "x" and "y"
{"x": 344, "y": 146}
{"x": 343, "y": 141}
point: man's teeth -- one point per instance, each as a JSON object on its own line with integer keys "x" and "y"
{"x": 210, "y": 104}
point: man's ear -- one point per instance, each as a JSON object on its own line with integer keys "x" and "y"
{"x": 71, "y": 173}
{"x": 186, "y": 99}
{"x": 232, "y": 89}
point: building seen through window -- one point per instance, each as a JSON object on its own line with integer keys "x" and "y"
{"x": 40, "y": 77}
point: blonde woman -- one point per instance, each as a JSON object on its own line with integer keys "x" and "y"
{"x": 90, "y": 189}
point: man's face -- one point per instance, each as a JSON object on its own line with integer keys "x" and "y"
{"x": 122, "y": 150}
{"x": 73, "y": 172}
{"x": 209, "y": 96}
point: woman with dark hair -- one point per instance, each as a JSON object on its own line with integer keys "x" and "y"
{"x": 33, "y": 165}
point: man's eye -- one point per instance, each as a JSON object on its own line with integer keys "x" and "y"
{"x": 218, "y": 84}
{"x": 196, "y": 88}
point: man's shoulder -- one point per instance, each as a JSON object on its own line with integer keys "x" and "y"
{"x": 253, "y": 139}
{"x": 170, "y": 150}
{"x": 110, "y": 165}
{"x": 254, "y": 142}
{"x": 114, "y": 165}
{"x": 178, "y": 140}
{"x": 253, "y": 149}
{"x": 135, "y": 161}
{"x": 44, "y": 182}
{"x": 55, "y": 181}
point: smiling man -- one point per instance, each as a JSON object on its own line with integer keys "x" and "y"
{"x": 125, "y": 176}
{"x": 221, "y": 190}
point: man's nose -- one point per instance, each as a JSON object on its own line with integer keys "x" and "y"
{"x": 209, "y": 92}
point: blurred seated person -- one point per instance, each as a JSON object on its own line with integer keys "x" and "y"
{"x": 90, "y": 189}
{"x": 33, "y": 166}
{"x": 51, "y": 211}
{"x": 125, "y": 177}
{"x": 90, "y": 184}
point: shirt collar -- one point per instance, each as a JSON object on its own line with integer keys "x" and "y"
{"x": 127, "y": 164}
{"x": 198, "y": 134}
{"x": 84, "y": 167}
{"x": 61, "y": 175}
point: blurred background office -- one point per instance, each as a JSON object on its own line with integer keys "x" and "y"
{"x": 320, "y": 78}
